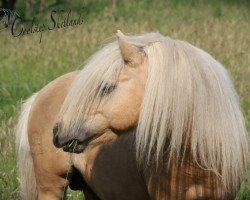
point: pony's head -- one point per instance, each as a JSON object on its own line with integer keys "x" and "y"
{"x": 106, "y": 96}
{"x": 177, "y": 96}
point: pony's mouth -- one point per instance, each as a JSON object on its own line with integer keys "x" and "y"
{"x": 73, "y": 146}
{"x": 76, "y": 146}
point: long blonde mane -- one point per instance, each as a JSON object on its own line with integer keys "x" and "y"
{"x": 189, "y": 101}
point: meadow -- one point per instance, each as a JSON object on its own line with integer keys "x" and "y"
{"x": 219, "y": 27}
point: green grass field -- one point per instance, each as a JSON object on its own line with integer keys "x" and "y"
{"x": 219, "y": 27}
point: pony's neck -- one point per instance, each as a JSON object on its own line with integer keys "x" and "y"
{"x": 110, "y": 167}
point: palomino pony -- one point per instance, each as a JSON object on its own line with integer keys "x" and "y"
{"x": 154, "y": 118}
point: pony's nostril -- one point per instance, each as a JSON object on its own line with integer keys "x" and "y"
{"x": 56, "y": 129}
{"x": 56, "y": 141}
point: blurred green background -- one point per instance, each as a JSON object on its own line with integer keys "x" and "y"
{"x": 219, "y": 27}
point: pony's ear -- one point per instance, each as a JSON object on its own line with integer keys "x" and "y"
{"x": 131, "y": 54}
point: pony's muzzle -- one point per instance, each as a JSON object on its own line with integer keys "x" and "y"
{"x": 74, "y": 143}
{"x": 58, "y": 139}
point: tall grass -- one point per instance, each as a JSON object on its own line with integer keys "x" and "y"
{"x": 219, "y": 27}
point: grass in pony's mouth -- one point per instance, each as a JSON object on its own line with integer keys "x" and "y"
{"x": 76, "y": 146}
{"x": 71, "y": 146}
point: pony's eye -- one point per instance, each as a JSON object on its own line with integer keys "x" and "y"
{"x": 107, "y": 89}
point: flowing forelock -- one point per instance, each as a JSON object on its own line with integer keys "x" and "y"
{"x": 104, "y": 66}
